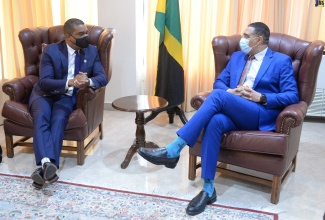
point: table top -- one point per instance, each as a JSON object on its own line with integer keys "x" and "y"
{"x": 139, "y": 103}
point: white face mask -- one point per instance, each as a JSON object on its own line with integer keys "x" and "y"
{"x": 244, "y": 44}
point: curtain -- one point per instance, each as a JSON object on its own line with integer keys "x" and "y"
{"x": 202, "y": 20}
{"x": 16, "y": 15}
{"x": 85, "y": 10}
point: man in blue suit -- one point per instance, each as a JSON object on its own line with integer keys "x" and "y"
{"x": 249, "y": 94}
{"x": 65, "y": 67}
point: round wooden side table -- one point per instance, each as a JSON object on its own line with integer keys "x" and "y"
{"x": 139, "y": 104}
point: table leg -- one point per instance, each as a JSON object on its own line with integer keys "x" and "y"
{"x": 140, "y": 140}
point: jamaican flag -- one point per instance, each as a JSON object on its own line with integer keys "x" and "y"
{"x": 170, "y": 72}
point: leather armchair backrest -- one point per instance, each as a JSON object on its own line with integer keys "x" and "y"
{"x": 33, "y": 38}
{"x": 306, "y": 57}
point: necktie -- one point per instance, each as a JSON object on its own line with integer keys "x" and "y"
{"x": 76, "y": 71}
{"x": 246, "y": 70}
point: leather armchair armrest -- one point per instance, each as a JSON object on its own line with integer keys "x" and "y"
{"x": 19, "y": 89}
{"x": 292, "y": 116}
{"x": 91, "y": 102}
{"x": 86, "y": 95}
{"x": 198, "y": 99}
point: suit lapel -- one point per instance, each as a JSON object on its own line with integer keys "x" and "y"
{"x": 268, "y": 58}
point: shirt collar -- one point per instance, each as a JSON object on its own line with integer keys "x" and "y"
{"x": 259, "y": 56}
{"x": 70, "y": 50}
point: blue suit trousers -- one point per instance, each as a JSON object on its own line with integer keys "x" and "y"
{"x": 50, "y": 117}
{"x": 221, "y": 112}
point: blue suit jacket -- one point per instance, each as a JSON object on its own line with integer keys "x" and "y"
{"x": 275, "y": 79}
{"x": 53, "y": 70}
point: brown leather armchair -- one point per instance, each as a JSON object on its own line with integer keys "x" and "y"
{"x": 273, "y": 152}
{"x": 85, "y": 121}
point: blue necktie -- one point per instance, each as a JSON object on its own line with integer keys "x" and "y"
{"x": 76, "y": 72}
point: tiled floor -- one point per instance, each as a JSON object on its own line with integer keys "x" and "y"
{"x": 302, "y": 196}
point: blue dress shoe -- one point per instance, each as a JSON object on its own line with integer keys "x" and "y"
{"x": 49, "y": 171}
{"x": 158, "y": 156}
{"x": 199, "y": 202}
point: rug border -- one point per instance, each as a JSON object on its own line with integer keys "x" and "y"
{"x": 275, "y": 215}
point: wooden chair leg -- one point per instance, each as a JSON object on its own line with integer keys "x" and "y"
{"x": 80, "y": 152}
{"x": 9, "y": 146}
{"x": 100, "y": 128}
{"x": 0, "y": 154}
{"x": 276, "y": 187}
{"x": 294, "y": 161}
{"x": 192, "y": 167}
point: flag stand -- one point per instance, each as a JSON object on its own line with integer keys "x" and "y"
{"x": 171, "y": 111}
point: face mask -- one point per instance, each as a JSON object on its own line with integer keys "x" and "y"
{"x": 82, "y": 42}
{"x": 244, "y": 45}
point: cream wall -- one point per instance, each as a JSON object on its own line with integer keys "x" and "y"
{"x": 122, "y": 15}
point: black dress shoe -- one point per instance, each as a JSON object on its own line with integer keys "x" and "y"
{"x": 49, "y": 170}
{"x": 158, "y": 156}
{"x": 37, "y": 177}
{"x": 199, "y": 202}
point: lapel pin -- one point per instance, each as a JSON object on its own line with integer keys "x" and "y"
{"x": 85, "y": 61}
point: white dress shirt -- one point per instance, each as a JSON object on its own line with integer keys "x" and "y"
{"x": 71, "y": 61}
{"x": 256, "y": 64}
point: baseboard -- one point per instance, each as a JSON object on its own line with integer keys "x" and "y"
{"x": 108, "y": 107}
{"x": 310, "y": 118}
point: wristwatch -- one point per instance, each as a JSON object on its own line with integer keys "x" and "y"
{"x": 263, "y": 99}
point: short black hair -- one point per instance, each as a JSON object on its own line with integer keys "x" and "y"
{"x": 261, "y": 29}
{"x": 70, "y": 24}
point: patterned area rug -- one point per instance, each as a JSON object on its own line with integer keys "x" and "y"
{"x": 63, "y": 200}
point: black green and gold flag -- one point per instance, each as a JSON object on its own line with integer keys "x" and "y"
{"x": 170, "y": 73}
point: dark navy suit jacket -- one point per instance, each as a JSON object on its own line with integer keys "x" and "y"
{"x": 53, "y": 71}
{"x": 275, "y": 79}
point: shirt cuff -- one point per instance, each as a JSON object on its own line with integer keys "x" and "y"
{"x": 67, "y": 85}
{"x": 91, "y": 84}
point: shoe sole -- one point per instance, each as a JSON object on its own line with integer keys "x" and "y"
{"x": 212, "y": 200}
{"x": 170, "y": 166}
{"x": 53, "y": 179}
{"x": 37, "y": 178}
{"x": 37, "y": 186}
{"x": 50, "y": 172}
{"x": 38, "y": 181}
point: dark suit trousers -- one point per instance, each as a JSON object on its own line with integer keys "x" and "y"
{"x": 220, "y": 112}
{"x": 50, "y": 119}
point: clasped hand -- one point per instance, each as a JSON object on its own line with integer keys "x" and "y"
{"x": 81, "y": 80}
{"x": 246, "y": 92}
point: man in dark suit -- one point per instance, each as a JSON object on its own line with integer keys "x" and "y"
{"x": 65, "y": 67}
{"x": 249, "y": 93}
